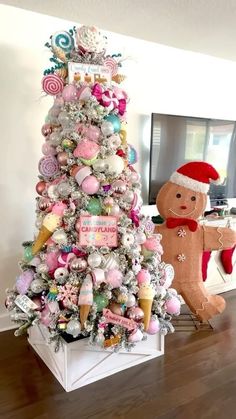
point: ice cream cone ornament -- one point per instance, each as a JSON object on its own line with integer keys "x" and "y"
{"x": 145, "y": 295}
{"x": 50, "y": 223}
{"x": 181, "y": 202}
{"x": 85, "y": 299}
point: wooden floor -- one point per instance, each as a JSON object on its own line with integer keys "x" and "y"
{"x": 195, "y": 379}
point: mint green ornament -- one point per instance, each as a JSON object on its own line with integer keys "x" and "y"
{"x": 101, "y": 301}
{"x": 28, "y": 256}
{"x": 94, "y": 206}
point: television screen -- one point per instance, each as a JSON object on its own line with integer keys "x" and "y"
{"x": 176, "y": 140}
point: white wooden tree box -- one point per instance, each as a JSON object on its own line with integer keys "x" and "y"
{"x": 77, "y": 364}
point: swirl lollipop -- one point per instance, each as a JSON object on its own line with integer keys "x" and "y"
{"x": 48, "y": 166}
{"x": 62, "y": 40}
{"x": 112, "y": 65}
{"x": 52, "y": 84}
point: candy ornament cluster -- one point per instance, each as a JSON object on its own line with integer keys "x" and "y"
{"x": 94, "y": 268}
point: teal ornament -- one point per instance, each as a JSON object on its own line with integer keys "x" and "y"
{"x": 101, "y": 301}
{"x": 132, "y": 155}
{"x": 62, "y": 40}
{"x": 115, "y": 122}
{"x": 28, "y": 256}
{"x": 67, "y": 249}
{"x": 94, "y": 207}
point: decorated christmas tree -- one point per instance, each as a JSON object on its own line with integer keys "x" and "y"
{"x": 94, "y": 269}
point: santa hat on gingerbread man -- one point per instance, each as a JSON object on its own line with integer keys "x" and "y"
{"x": 195, "y": 175}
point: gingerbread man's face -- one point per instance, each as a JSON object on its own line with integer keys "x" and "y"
{"x": 177, "y": 201}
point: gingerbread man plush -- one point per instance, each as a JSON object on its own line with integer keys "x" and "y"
{"x": 181, "y": 201}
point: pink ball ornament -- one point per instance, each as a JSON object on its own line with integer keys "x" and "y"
{"x": 116, "y": 309}
{"x": 119, "y": 187}
{"x": 46, "y": 129}
{"x": 90, "y": 185}
{"x": 62, "y": 158}
{"x": 44, "y": 204}
{"x": 93, "y": 133}
{"x": 135, "y": 313}
{"x": 114, "y": 278}
{"x": 154, "y": 326}
{"x": 84, "y": 93}
{"x": 136, "y": 336}
{"x": 173, "y": 306}
{"x": 143, "y": 277}
{"x": 40, "y": 187}
{"x": 78, "y": 265}
{"x": 70, "y": 93}
{"x": 48, "y": 150}
{"x": 134, "y": 177}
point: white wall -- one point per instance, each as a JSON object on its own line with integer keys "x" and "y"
{"x": 160, "y": 79}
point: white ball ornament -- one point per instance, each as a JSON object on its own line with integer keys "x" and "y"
{"x": 140, "y": 238}
{"x": 115, "y": 210}
{"x": 107, "y": 128}
{"x": 37, "y": 286}
{"x": 99, "y": 165}
{"x": 115, "y": 164}
{"x": 59, "y": 237}
{"x": 53, "y": 192}
{"x": 73, "y": 328}
{"x": 131, "y": 300}
{"x": 94, "y": 260}
{"x": 128, "y": 196}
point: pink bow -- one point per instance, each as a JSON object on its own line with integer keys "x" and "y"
{"x": 109, "y": 99}
{"x": 134, "y": 215}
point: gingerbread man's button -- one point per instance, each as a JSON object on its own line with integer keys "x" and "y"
{"x": 181, "y": 257}
{"x": 181, "y": 232}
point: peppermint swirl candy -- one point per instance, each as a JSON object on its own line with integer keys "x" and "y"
{"x": 62, "y": 40}
{"x": 90, "y": 39}
{"x": 112, "y": 65}
{"x": 52, "y": 84}
{"x": 48, "y": 166}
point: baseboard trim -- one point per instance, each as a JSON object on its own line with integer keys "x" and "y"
{"x": 6, "y": 323}
{"x": 221, "y": 288}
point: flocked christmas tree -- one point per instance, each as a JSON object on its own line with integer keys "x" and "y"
{"x": 94, "y": 269}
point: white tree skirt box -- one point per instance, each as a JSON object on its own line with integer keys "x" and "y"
{"x": 77, "y": 364}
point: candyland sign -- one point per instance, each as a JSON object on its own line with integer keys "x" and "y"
{"x": 98, "y": 231}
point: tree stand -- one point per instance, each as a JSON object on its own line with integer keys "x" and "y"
{"x": 188, "y": 322}
{"x": 77, "y": 364}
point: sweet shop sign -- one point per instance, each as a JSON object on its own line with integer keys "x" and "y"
{"x": 98, "y": 231}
